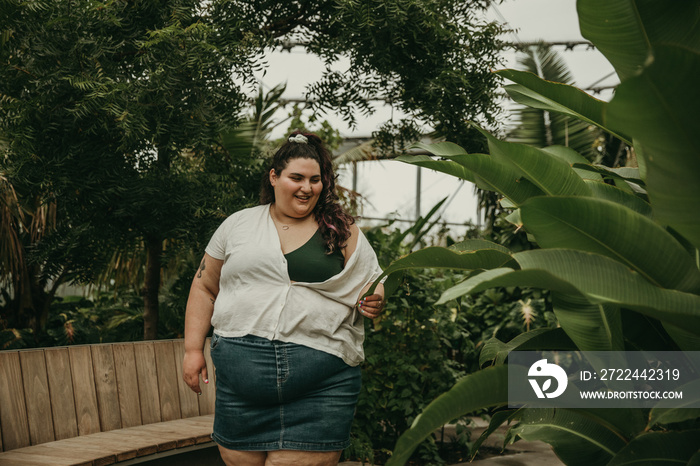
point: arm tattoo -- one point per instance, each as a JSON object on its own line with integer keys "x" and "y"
{"x": 202, "y": 266}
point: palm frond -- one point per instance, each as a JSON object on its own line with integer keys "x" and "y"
{"x": 359, "y": 153}
{"x": 540, "y": 128}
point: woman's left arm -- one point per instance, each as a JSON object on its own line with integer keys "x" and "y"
{"x": 370, "y": 306}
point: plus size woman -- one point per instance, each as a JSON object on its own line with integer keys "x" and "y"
{"x": 282, "y": 284}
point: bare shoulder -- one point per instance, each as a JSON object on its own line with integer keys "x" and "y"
{"x": 351, "y": 244}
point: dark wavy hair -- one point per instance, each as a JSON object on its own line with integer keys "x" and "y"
{"x": 333, "y": 221}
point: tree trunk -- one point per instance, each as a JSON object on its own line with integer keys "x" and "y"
{"x": 151, "y": 288}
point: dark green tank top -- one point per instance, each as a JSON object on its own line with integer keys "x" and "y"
{"x": 310, "y": 263}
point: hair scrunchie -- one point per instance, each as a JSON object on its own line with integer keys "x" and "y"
{"x": 299, "y": 139}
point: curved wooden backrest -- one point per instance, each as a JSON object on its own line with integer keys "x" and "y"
{"x": 52, "y": 394}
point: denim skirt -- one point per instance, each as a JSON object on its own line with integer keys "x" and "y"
{"x": 272, "y": 395}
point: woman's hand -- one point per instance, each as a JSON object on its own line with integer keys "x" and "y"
{"x": 371, "y": 306}
{"x": 193, "y": 366}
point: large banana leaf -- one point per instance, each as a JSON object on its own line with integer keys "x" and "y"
{"x": 607, "y": 281}
{"x": 576, "y": 439}
{"x": 658, "y": 108}
{"x": 615, "y": 28}
{"x": 492, "y": 174}
{"x": 591, "y": 326}
{"x": 496, "y": 351}
{"x": 573, "y": 158}
{"x": 619, "y": 196}
{"x": 484, "y": 170}
{"x": 467, "y": 255}
{"x": 615, "y": 231}
{"x": 625, "y": 422}
{"x": 498, "y": 418}
{"x": 659, "y": 448}
{"x": 682, "y": 412}
{"x": 552, "y": 175}
{"x": 629, "y": 174}
{"x": 535, "y": 92}
{"x": 626, "y": 31}
{"x": 482, "y": 389}
{"x": 444, "y": 166}
{"x": 598, "y": 278}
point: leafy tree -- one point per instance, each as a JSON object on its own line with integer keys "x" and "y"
{"x": 618, "y": 247}
{"x": 113, "y": 111}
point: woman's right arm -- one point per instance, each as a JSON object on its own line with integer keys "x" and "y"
{"x": 200, "y": 307}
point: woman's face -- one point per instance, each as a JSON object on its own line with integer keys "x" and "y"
{"x": 297, "y": 187}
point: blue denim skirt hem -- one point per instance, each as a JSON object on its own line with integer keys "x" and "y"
{"x": 273, "y": 395}
{"x": 273, "y": 446}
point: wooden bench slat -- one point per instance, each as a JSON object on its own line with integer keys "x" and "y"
{"x": 208, "y": 398}
{"x": 106, "y": 387}
{"x": 15, "y": 458}
{"x": 85, "y": 444}
{"x": 61, "y": 387}
{"x": 36, "y": 391}
{"x": 127, "y": 384}
{"x": 189, "y": 403}
{"x": 167, "y": 381}
{"x": 116, "y": 439}
{"x": 66, "y": 451}
{"x": 13, "y": 410}
{"x": 148, "y": 382}
{"x": 84, "y": 390}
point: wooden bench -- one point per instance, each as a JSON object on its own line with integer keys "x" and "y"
{"x": 100, "y": 404}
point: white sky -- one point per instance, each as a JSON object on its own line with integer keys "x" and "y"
{"x": 389, "y": 187}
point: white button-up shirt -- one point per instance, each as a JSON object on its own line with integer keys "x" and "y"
{"x": 256, "y": 296}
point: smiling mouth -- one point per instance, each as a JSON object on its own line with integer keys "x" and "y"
{"x": 303, "y": 198}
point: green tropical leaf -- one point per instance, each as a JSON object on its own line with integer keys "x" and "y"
{"x": 591, "y": 326}
{"x": 682, "y": 412}
{"x": 482, "y": 169}
{"x": 497, "y": 420}
{"x": 494, "y": 175}
{"x": 470, "y": 255}
{"x": 496, "y": 351}
{"x": 614, "y": 194}
{"x": 442, "y": 149}
{"x": 685, "y": 339}
{"x": 612, "y": 230}
{"x": 615, "y": 29}
{"x": 576, "y": 439}
{"x": 625, "y": 422}
{"x": 598, "y": 278}
{"x": 443, "y": 166}
{"x": 574, "y": 159}
{"x": 505, "y": 276}
{"x": 535, "y": 92}
{"x": 628, "y": 174}
{"x": 659, "y": 448}
{"x": 551, "y": 174}
{"x": 658, "y": 108}
{"x": 478, "y": 244}
{"x": 606, "y": 280}
{"x": 625, "y": 31}
{"x": 481, "y": 389}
